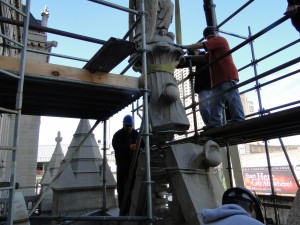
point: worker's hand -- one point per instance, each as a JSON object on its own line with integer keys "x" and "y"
{"x": 180, "y": 46}
{"x": 132, "y": 147}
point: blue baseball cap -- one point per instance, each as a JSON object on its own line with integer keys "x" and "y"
{"x": 128, "y": 120}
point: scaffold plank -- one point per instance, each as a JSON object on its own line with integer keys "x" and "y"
{"x": 61, "y": 91}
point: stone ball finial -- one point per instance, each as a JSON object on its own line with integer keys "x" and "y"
{"x": 171, "y": 93}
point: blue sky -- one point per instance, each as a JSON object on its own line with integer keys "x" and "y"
{"x": 98, "y": 21}
{"x": 101, "y": 22}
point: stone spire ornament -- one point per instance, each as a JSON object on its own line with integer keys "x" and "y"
{"x": 51, "y": 171}
{"x": 79, "y": 188}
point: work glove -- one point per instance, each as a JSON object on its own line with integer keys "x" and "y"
{"x": 132, "y": 147}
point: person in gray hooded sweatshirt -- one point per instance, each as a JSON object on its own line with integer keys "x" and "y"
{"x": 239, "y": 207}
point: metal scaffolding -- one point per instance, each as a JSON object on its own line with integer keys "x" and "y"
{"x": 195, "y": 134}
{"x": 17, "y": 111}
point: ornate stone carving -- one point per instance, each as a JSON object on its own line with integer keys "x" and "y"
{"x": 167, "y": 115}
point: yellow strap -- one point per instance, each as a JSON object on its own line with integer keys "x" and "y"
{"x": 169, "y": 68}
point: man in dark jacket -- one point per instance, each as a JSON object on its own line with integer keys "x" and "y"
{"x": 124, "y": 144}
{"x": 202, "y": 86}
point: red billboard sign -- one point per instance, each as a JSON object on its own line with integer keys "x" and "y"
{"x": 258, "y": 179}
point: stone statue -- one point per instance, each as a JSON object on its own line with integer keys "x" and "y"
{"x": 159, "y": 17}
{"x": 166, "y": 112}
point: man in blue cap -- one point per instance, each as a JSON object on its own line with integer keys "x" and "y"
{"x": 124, "y": 144}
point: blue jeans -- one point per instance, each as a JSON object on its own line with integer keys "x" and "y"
{"x": 204, "y": 107}
{"x": 234, "y": 104}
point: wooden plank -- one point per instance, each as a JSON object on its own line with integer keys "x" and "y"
{"x": 71, "y": 73}
{"x": 113, "y": 52}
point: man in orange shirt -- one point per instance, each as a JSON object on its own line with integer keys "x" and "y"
{"x": 224, "y": 75}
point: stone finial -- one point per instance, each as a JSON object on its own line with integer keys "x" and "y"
{"x": 58, "y": 139}
{"x": 45, "y": 16}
